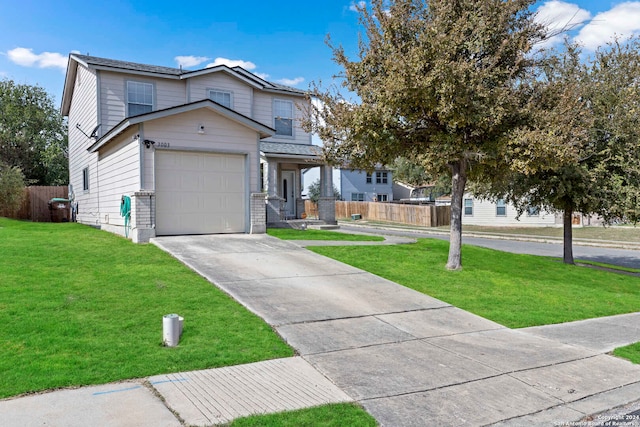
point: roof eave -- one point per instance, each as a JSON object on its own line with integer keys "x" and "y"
{"x": 262, "y": 130}
{"x": 69, "y": 83}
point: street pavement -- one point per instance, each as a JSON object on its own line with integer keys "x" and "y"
{"x": 407, "y": 358}
{"x": 614, "y": 253}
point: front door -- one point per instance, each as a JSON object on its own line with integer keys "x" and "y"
{"x": 289, "y": 193}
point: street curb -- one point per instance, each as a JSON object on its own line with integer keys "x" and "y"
{"x": 514, "y": 237}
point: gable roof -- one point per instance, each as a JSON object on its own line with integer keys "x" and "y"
{"x": 128, "y": 122}
{"x": 98, "y": 63}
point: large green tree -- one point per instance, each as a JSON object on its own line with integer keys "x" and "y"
{"x": 590, "y": 109}
{"x": 33, "y": 134}
{"x": 436, "y": 81}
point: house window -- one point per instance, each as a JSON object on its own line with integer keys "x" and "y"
{"x": 501, "y": 208}
{"x": 468, "y": 207}
{"x": 85, "y": 179}
{"x": 222, "y": 97}
{"x": 357, "y": 197}
{"x": 533, "y": 211}
{"x": 381, "y": 178}
{"x": 383, "y": 198}
{"x": 139, "y": 98}
{"x": 368, "y": 178}
{"x": 283, "y": 117}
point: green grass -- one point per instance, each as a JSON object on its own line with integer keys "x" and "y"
{"x": 630, "y": 352}
{"x": 337, "y": 415}
{"x": 81, "y": 306}
{"x": 511, "y": 289}
{"x": 609, "y": 266}
{"x": 292, "y": 234}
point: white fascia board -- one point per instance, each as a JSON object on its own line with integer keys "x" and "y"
{"x": 69, "y": 83}
{"x": 224, "y": 69}
{"x": 263, "y": 131}
{"x": 136, "y": 72}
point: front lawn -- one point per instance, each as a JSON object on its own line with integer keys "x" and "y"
{"x": 630, "y": 352}
{"x": 80, "y": 306}
{"x": 309, "y": 234}
{"x": 336, "y": 415}
{"x": 514, "y": 290}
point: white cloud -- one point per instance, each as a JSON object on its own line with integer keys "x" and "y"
{"x": 247, "y": 65}
{"x": 190, "y": 60}
{"x": 354, "y": 6}
{"x": 622, "y": 21}
{"x": 25, "y": 57}
{"x": 559, "y": 17}
{"x": 290, "y": 82}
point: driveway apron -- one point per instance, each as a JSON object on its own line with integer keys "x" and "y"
{"x": 409, "y": 359}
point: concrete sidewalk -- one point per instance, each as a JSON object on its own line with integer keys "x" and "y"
{"x": 409, "y": 359}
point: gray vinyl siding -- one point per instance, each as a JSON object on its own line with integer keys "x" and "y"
{"x": 484, "y": 213}
{"x": 119, "y": 175}
{"x": 263, "y": 112}
{"x": 356, "y": 182}
{"x": 83, "y": 111}
{"x": 221, "y": 135}
{"x": 241, "y": 92}
{"x": 113, "y": 96}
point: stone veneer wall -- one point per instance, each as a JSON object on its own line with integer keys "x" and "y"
{"x": 258, "y": 213}
{"x": 327, "y": 209}
{"x": 143, "y": 207}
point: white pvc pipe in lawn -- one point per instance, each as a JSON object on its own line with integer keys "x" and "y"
{"x": 170, "y": 330}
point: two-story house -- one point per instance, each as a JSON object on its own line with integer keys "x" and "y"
{"x": 362, "y": 186}
{"x": 216, "y": 150}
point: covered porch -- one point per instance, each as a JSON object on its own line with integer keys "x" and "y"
{"x": 281, "y": 165}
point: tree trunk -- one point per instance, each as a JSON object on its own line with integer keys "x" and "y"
{"x": 568, "y": 235}
{"x": 458, "y": 183}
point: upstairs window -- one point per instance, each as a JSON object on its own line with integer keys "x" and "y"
{"x": 283, "y": 117}
{"x": 368, "y": 178}
{"x": 139, "y": 98}
{"x": 222, "y": 97}
{"x": 381, "y": 178}
{"x": 501, "y": 208}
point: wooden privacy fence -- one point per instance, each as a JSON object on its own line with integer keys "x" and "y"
{"x": 35, "y": 205}
{"x": 421, "y": 215}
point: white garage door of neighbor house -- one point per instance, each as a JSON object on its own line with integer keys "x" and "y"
{"x": 199, "y": 193}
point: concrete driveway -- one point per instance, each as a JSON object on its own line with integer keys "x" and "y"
{"x": 409, "y": 359}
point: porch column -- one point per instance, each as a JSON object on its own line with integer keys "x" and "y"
{"x": 274, "y": 202}
{"x": 272, "y": 178}
{"x": 326, "y": 181}
{"x": 327, "y": 200}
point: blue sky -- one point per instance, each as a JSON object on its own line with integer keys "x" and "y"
{"x": 283, "y": 41}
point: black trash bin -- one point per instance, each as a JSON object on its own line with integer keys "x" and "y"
{"x": 59, "y": 209}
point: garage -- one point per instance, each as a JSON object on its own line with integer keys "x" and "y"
{"x": 199, "y": 193}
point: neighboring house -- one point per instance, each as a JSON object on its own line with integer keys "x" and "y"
{"x": 361, "y": 186}
{"x": 476, "y": 211}
{"x": 216, "y": 150}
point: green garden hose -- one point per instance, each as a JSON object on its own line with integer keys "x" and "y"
{"x": 125, "y": 211}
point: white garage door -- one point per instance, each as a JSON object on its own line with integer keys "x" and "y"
{"x": 199, "y": 193}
